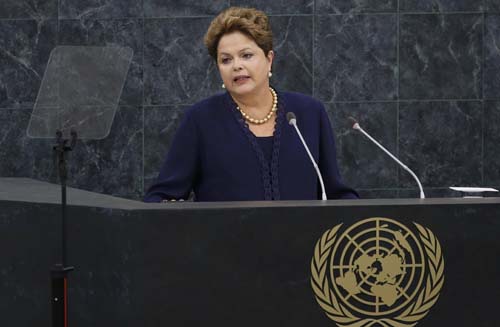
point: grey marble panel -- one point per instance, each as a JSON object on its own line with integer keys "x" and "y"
{"x": 440, "y": 56}
{"x": 292, "y": 66}
{"x": 160, "y": 124}
{"x": 355, "y": 57}
{"x": 100, "y": 9}
{"x": 20, "y": 154}
{"x": 177, "y": 67}
{"x": 441, "y": 143}
{"x": 492, "y": 6}
{"x": 278, "y": 7}
{"x": 440, "y": 5}
{"x": 121, "y": 32}
{"x": 25, "y": 48}
{"x": 492, "y": 57}
{"x": 361, "y": 163}
{"x": 177, "y": 8}
{"x": 33, "y": 9}
{"x": 355, "y": 6}
{"x": 377, "y": 193}
{"x": 113, "y": 165}
{"x": 491, "y": 143}
{"x": 414, "y": 193}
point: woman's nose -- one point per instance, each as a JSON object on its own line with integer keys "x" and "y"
{"x": 236, "y": 65}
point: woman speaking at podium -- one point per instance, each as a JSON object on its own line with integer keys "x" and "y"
{"x": 238, "y": 145}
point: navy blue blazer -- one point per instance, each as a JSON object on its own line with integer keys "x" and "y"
{"x": 215, "y": 154}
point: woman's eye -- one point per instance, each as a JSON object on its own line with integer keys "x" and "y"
{"x": 225, "y": 60}
{"x": 248, "y": 55}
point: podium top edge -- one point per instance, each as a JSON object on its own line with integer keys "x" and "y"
{"x": 33, "y": 191}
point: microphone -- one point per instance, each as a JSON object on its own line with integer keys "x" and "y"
{"x": 292, "y": 120}
{"x": 355, "y": 125}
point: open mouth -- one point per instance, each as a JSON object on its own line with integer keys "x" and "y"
{"x": 241, "y": 78}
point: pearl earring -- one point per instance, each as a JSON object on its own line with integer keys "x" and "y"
{"x": 270, "y": 74}
{"x": 223, "y": 86}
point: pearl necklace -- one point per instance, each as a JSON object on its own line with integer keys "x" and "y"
{"x": 269, "y": 115}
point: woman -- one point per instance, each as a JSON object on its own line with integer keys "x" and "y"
{"x": 238, "y": 146}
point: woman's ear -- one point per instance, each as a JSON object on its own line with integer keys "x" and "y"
{"x": 270, "y": 58}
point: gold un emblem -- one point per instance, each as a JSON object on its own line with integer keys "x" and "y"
{"x": 377, "y": 273}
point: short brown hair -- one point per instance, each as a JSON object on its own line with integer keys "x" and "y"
{"x": 249, "y": 21}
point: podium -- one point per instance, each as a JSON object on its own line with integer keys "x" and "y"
{"x": 250, "y": 263}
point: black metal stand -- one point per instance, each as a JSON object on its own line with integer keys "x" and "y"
{"x": 60, "y": 270}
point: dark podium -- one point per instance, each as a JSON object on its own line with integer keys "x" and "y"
{"x": 305, "y": 263}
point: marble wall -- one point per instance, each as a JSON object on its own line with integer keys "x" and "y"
{"x": 423, "y": 76}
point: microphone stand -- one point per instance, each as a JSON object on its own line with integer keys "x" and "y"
{"x": 60, "y": 270}
{"x": 292, "y": 120}
{"x": 357, "y": 127}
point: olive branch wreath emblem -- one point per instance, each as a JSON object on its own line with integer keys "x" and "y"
{"x": 414, "y": 312}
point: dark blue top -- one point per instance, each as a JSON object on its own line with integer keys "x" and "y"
{"x": 215, "y": 154}
{"x": 266, "y": 145}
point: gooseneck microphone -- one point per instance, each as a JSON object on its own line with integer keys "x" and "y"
{"x": 292, "y": 120}
{"x": 355, "y": 125}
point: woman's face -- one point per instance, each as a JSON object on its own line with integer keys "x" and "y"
{"x": 242, "y": 64}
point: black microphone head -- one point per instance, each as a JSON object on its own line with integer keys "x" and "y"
{"x": 290, "y": 117}
{"x": 352, "y": 120}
